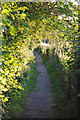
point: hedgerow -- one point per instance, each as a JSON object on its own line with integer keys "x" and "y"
{"x": 24, "y": 27}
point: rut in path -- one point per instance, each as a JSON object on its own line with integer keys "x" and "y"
{"x": 39, "y": 102}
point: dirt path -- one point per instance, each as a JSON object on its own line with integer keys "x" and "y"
{"x": 39, "y": 103}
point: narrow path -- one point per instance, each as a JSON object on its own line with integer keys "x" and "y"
{"x": 39, "y": 103}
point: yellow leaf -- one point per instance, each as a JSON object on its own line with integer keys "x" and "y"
{"x": 22, "y": 16}
{"x": 48, "y": 3}
{"x": 12, "y": 3}
{"x": 19, "y": 87}
{"x": 13, "y": 16}
{"x": 5, "y": 99}
{"x": 5, "y": 11}
{"x": 3, "y": 88}
{"x": 24, "y": 8}
{"x": 4, "y": 81}
{"x": 12, "y": 30}
{"x": 1, "y": 96}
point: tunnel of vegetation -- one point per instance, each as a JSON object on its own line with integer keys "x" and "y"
{"x": 24, "y": 27}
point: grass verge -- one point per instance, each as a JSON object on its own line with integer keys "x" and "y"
{"x": 17, "y": 102}
{"x": 64, "y": 108}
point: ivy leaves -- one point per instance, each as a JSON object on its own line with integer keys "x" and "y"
{"x": 13, "y": 53}
{"x": 25, "y": 24}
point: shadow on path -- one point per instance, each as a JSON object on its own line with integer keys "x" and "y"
{"x": 39, "y": 102}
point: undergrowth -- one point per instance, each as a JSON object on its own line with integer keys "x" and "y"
{"x": 64, "y": 108}
{"x": 17, "y": 102}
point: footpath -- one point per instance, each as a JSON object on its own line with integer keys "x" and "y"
{"x": 39, "y": 103}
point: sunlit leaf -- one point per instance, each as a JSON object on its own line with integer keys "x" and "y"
{"x": 22, "y": 16}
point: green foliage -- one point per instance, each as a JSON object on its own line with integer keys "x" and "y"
{"x": 18, "y": 101}
{"x": 64, "y": 108}
{"x": 16, "y": 55}
{"x": 24, "y": 26}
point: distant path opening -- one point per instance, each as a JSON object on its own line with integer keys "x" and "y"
{"x": 39, "y": 102}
